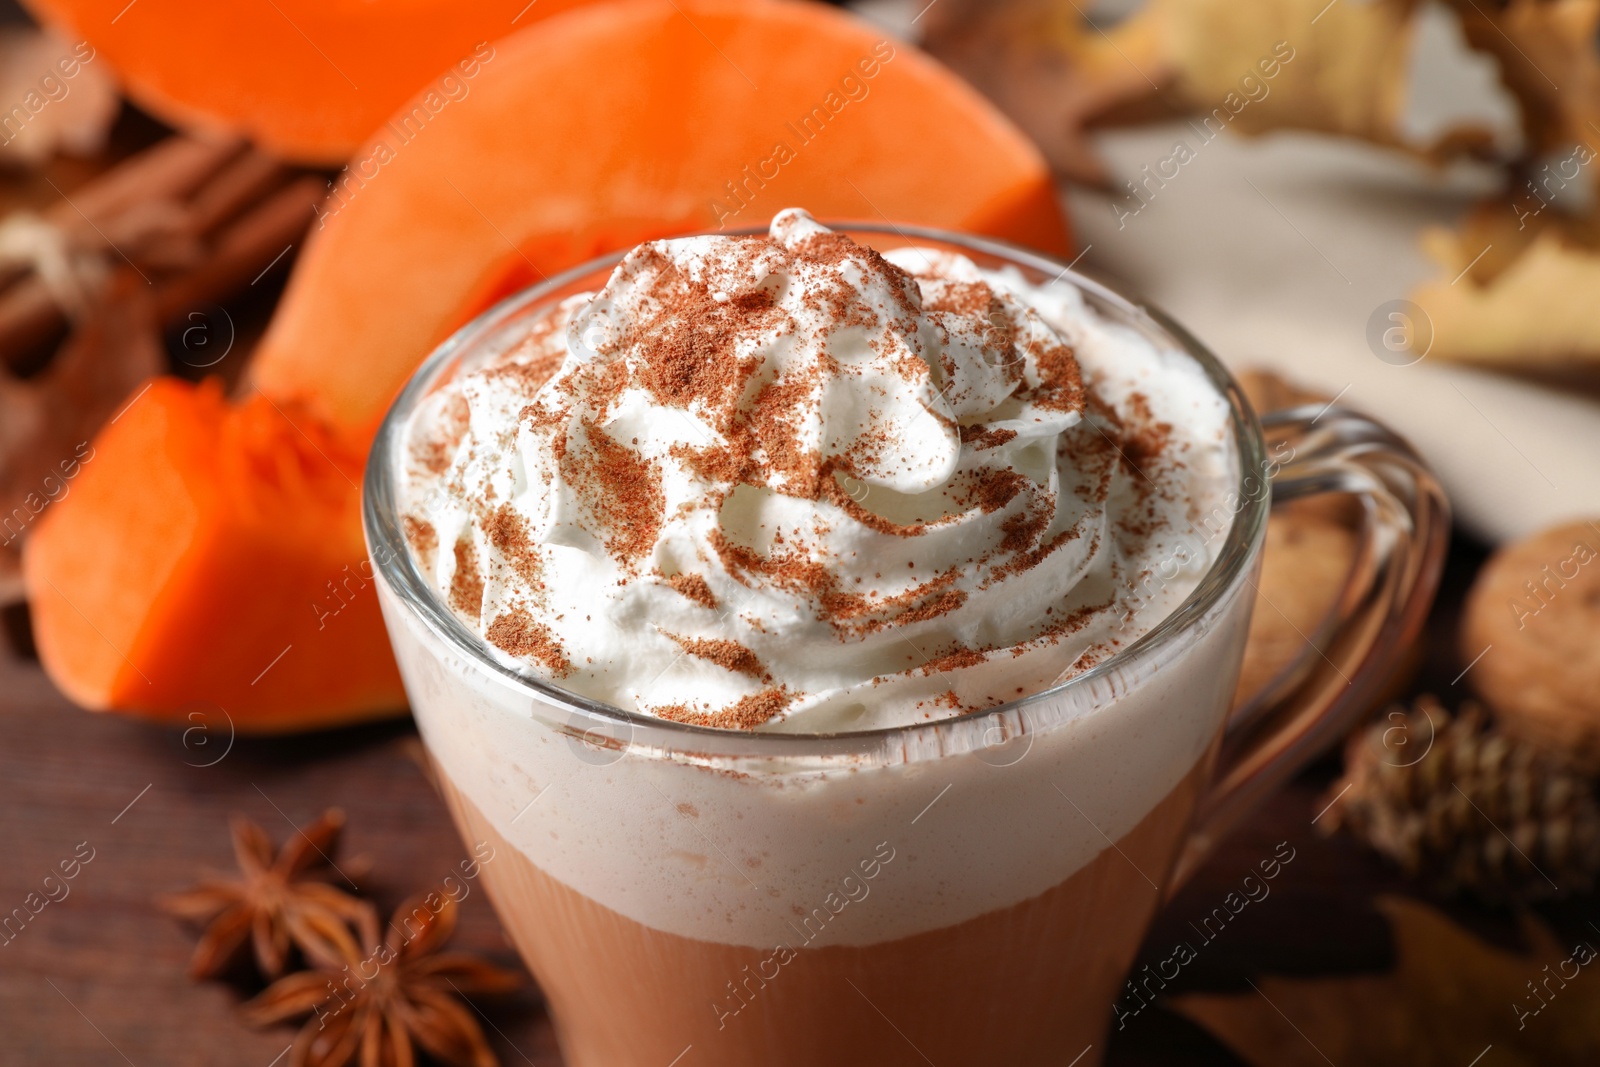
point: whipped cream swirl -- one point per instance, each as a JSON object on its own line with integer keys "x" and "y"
{"x": 789, "y": 483}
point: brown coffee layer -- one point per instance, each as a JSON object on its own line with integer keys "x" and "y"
{"x": 1030, "y": 984}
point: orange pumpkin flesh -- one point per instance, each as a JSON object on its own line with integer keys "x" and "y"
{"x": 306, "y": 79}
{"x": 209, "y": 554}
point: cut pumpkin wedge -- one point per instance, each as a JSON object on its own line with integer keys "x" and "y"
{"x": 621, "y": 122}
{"x": 306, "y": 79}
{"x": 209, "y": 556}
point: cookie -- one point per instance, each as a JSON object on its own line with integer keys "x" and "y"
{"x": 1304, "y": 564}
{"x": 1267, "y": 391}
{"x": 1533, "y": 614}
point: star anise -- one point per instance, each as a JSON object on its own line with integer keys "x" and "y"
{"x": 399, "y": 994}
{"x": 279, "y": 901}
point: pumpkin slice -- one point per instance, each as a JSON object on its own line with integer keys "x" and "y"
{"x": 620, "y": 122}
{"x": 307, "y": 79}
{"x": 210, "y": 555}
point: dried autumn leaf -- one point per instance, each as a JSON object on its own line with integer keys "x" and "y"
{"x": 1248, "y": 65}
{"x": 1449, "y": 997}
{"x": 1515, "y": 290}
{"x": 1517, "y": 279}
{"x": 1052, "y": 70}
{"x": 1337, "y": 68}
{"x": 1547, "y": 58}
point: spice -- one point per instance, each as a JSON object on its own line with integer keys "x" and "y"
{"x": 279, "y": 901}
{"x": 409, "y": 1000}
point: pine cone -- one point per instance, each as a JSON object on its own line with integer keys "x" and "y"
{"x": 1456, "y": 802}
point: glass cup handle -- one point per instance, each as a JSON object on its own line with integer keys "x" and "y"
{"x": 1317, "y": 699}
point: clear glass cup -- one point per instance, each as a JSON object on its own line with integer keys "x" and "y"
{"x": 961, "y": 891}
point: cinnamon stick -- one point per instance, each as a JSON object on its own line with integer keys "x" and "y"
{"x": 29, "y": 317}
{"x": 242, "y": 182}
{"x": 243, "y": 249}
{"x": 171, "y": 169}
{"x": 232, "y": 200}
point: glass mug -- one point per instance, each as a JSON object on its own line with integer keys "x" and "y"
{"x": 958, "y": 891}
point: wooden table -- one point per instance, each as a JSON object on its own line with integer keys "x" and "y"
{"x": 99, "y": 977}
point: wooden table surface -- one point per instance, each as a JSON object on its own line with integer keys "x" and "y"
{"x": 98, "y": 978}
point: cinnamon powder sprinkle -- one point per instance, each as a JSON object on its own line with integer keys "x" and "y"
{"x": 520, "y": 634}
{"x": 534, "y": 361}
{"x": 747, "y": 713}
{"x": 694, "y": 587}
{"x": 965, "y": 298}
{"x": 626, "y": 500}
{"x": 836, "y": 494}
{"x": 771, "y": 427}
{"x": 1000, "y": 488}
{"x": 466, "y": 585}
{"x": 421, "y": 536}
{"x": 690, "y": 346}
{"x": 853, "y": 614}
{"x": 1023, "y": 529}
{"x": 1061, "y": 380}
{"x": 942, "y": 604}
{"x": 953, "y": 661}
{"x": 983, "y": 438}
{"x": 728, "y": 654}
{"x": 434, "y": 455}
{"x": 508, "y": 531}
{"x": 436, "y": 450}
{"x": 1146, "y": 439}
